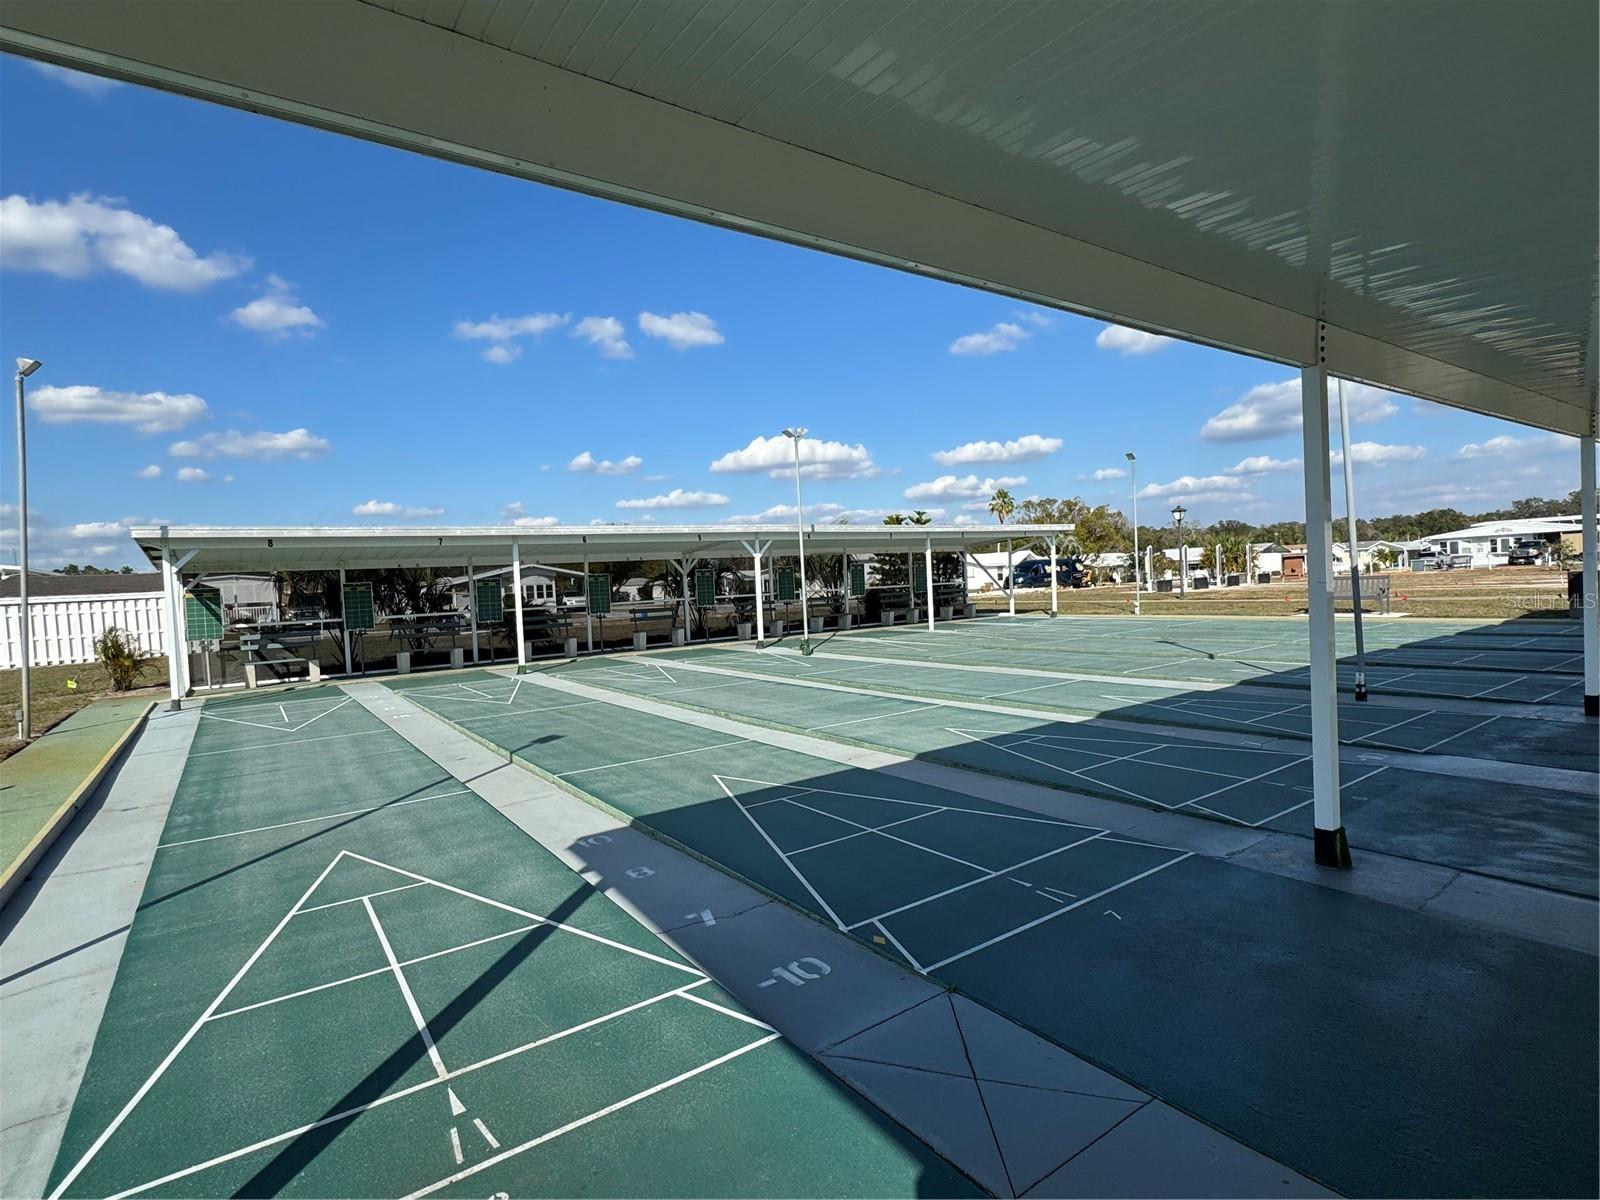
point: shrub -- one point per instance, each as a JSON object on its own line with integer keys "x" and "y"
{"x": 121, "y": 657}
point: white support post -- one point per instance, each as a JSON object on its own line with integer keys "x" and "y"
{"x": 911, "y": 579}
{"x": 756, "y": 551}
{"x": 516, "y": 601}
{"x": 1590, "y": 615}
{"x": 1332, "y": 847}
{"x": 175, "y": 647}
{"x": 344, "y": 625}
{"x": 1055, "y": 603}
{"x": 472, "y": 608}
{"x": 927, "y": 552}
{"x": 683, "y": 574}
{"x": 1011, "y": 582}
{"x": 588, "y": 615}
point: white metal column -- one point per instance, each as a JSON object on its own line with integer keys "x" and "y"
{"x": 1055, "y": 603}
{"x": 472, "y": 608}
{"x": 756, "y": 551}
{"x": 1011, "y": 583}
{"x": 588, "y": 613}
{"x": 1332, "y": 847}
{"x": 174, "y": 644}
{"x": 1590, "y": 615}
{"x": 927, "y": 553}
{"x": 516, "y": 600}
{"x": 344, "y": 625}
{"x": 683, "y": 574}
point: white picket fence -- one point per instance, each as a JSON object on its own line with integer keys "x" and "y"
{"x": 65, "y": 627}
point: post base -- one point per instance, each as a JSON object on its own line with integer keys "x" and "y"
{"x": 1332, "y": 848}
{"x": 1591, "y": 706}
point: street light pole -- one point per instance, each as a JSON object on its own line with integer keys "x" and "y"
{"x": 25, "y": 367}
{"x": 1178, "y": 512}
{"x": 794, "y": 435}
{"x": 1133, "y": 472}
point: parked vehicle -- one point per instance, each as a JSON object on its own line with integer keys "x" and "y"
{"x": 1528, "y": 552}
{"x": 1035, "y": 573}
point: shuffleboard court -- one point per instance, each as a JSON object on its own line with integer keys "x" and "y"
{"x": 1134, "y": 651}
{"x": 926, "y": 874}
{"x": 1192, "y": 977}
{"x": 1538, "y": 835}
{"x": 1388, "y": 725}
{"x": 349, "y": 976}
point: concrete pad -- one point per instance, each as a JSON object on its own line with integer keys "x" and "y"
{"x": 1038, "y": 1129}
{"x": 1159, "y": 1152}
{"x": 1005, "y": 1052}
{"x": 925, "y": 1037}
{"x": 946, "y": 1111}
{"x": 1551, "y": 917}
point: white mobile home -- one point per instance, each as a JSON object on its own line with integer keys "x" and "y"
{"x": 1488, "y": 542}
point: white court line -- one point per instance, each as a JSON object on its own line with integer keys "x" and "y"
{"x": 495, "y": 1160}
{"x": 974, "y": 882}
{"x": 878, "y": 829}
{"x": 405, "y": 991}
{"x": 1458, "y": 733}
{"x": 1367, "y": 737}
{"x": 879, "y": 717}
{"x": 1056, "y": 767}
{"x": 215, "y": 837}
{"x": 161, "y": 1068}
{"x": 653, "y": 758}
{"x": 535, "y": 917}
{"x": 727, "y": 1012}
{"x": 446, "y": 694}
{"x": 321, "y": 987}
{"x": 279, "y": 728}
{"x": 977, "y": 812}
{"x": 895, "y": 942}
{"x": 391, "y": 1097}
{"x": 862, "y": 831}
{"x": 518, "y": 712}
{"x": 806, "y": 883}
{"x": 332, "y": 737}
{"x": 1035, "y": 688}
{"x": 1050, "y": 916}
{"x": 404, "y": 887}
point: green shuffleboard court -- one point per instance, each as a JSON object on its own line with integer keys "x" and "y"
{"x": 350, "y": 976}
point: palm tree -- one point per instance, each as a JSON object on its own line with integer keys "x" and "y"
{"x": 1002, "y": 505}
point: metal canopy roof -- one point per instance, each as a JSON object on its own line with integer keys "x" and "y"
{"x": 1421, "y": 176}
{"x": 307, "y": 548}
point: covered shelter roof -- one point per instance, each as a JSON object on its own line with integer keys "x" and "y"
{"x": 1405, "y": 193}
{"x": 310, "y": 548}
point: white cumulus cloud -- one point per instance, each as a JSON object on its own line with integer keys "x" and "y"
{"x": 193, "y": 475}
{"x": 536, "y": 522}
{"x": 79, "y": 81}
{"x": 678, "y": 498}
{"x": 1022, "y": 449}
{"x": 153, "y": 471}
{"x": 604, "y": 466}
{"x": 278, "y": 314}
{"x": 1271, "y": 409}
{"x": 504, "y": 332}
{"x": 84, "y": 234}
{"x": 502, "y": 354}
{"x": 296, "y": 443}
{"x": 1105, "y": 473}
{"x": 1128, "y": 342}
{"x": 682, "y": 330}
{"x": 148, "y": 412}
{"x": 605, "y": 334}
{"x": 1263, "y": 464}
{"x": 997, "y": 339}
{"x": 1194, "y": 487}
{"x": 1377, "y": 454}
{"x": 962, "y": 487}
{"x": 388, "y": 508}
{"x": 818, "y": 459}
{"x": 1505, "y": 444}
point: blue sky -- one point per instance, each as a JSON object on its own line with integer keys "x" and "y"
{"x": 247, "y": 322}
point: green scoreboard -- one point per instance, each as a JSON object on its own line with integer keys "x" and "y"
{"x": 784, "y": 583}
{"x": 858, "y": 579}
{"x": 358, "y": 613}
{"x": 489, "y": 601}
{"x": 202, "y": 613}
{"x": 599, "y": 594}
{"x": 705, "y": 588}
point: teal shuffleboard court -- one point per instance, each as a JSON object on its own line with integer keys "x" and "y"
{"x": 350, "y": 976}
{"x": 1193, "y": 650}
{"x": 928, "y": 875}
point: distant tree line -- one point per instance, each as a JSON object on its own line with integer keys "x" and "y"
{"x": 75, "y": 569}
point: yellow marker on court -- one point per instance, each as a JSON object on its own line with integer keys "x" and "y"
{"x": 72, "y": 685}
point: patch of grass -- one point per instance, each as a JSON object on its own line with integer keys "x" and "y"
{"x": 1489, "y": 594}
{"x": 54, "y": 701}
